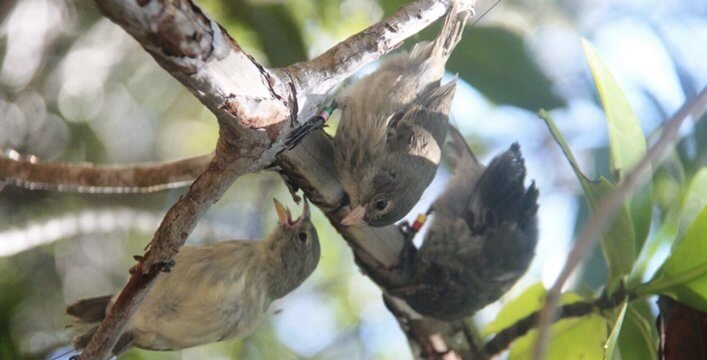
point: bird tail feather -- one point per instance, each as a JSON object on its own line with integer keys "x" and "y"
{"x": 501, "y": 192}
{"x": 91, "y": 310}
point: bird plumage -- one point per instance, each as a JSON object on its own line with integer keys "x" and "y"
{"x": 215, "y": 292}
{"x": 393, "y": 123}
{"x": 481, "y": 239}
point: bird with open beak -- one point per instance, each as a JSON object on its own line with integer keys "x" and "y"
{"x": 214, "y": 292}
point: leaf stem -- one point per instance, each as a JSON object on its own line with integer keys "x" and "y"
{"x": 657, "y": 285}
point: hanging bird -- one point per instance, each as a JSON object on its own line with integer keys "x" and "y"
{"x": 215, "y": 292}
{"x": 393, "y": 122}
{"x": 482, "y": 237}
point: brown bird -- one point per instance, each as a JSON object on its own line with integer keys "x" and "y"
{"x": 215, "y": 292}
{"x": 393, "y": 122}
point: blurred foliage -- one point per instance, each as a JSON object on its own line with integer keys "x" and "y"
{"x": 682, "y": 276}
{"x": 75, "y": 87}
{"x": 496, "y": 62}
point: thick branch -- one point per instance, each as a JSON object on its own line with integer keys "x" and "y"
{"x": 256, "y": 109}
{"x": 33, "y": 174}
{"x": 315, "y": 78}
{"x": 609, "y": 204}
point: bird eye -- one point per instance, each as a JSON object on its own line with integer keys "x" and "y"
{"x": 302, "y": 236}
{"x": 381, "y": 204}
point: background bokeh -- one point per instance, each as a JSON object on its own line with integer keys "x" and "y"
{"x": 75, "y": 87}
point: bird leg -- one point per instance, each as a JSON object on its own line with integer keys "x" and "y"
{"x": 316, "y": 122}
{"x": 165, "y": 266}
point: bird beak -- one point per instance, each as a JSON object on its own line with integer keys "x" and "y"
{"x": 355, "y": 217}
{"x": 283, "y": 214}
{"x": 305, "y": 213}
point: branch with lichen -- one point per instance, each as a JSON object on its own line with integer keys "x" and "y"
{"x": 32, "y": 173}
{"x": 256, "y": 108}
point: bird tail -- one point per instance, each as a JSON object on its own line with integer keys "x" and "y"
{"x": 91, "y": 310}
{"x": 87, "y": 314}
{"x": 448, "y": 37}
{"x": 501, "y": 192}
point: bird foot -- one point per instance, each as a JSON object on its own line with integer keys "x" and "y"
{"x": 165, "y": 266}
{"x": 407, "y": 231}
{"x": 314, "y": 123}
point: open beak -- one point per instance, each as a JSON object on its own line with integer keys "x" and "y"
{"x": 285, "y": 217}
{"x": 305, "y": 213}
{"x": 283, "y": 214}
{"x": 355, "y": 217}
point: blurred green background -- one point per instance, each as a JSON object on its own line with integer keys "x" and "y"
{"x": 75, "y": 87}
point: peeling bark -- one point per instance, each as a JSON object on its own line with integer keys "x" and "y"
{"x": 257, "y": 108}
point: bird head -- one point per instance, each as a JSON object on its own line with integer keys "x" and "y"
{"x": 296, "y": 242}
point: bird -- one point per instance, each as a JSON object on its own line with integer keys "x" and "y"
{"x": 481, "y": 239}
{"x": 387, "y": 146}
{"x": 214, "y": 292}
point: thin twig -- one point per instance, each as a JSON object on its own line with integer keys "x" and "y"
{"x": 609, "y": 204}
{"x": 503, "y": 339}
{"x": 34, "y": 174}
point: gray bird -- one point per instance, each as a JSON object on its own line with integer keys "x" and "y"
{"x": 482, "y": 237}
{"x": 393, "y": 123}
{"x": 215, "y": 292}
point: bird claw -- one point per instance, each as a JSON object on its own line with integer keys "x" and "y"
{"x": 297, "y": 135}
{"x": 167, "y": 266}
{"x": 314, "y": 123}
{"x": 406, "y": 230}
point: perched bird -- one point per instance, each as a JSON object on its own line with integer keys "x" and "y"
{"x": 393, "y": 123}
{"x": 215, "y": 292}
{"x": 482, "y": 237}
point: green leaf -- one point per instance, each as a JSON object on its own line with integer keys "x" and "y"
{"x": 639, "y": 338}
{"x": 274, "y": 26}
{"x": 612, "y": 351}
{"x": 495, "y": 61}
{"x": 617, "y": 245}
{"x": 695, "y": 197}
{"x": 627, "y": 144}
{"x": 530, "y": 300}
{"x": 575, "y": 338}
{"x": 683, "y": 275}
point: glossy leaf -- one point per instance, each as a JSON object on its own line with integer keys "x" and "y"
{"x": 638, "y": 339}
{"x": 530, "y": 300}
{"x": 612, "y": 350}
{"x": 695, "y": 197}
{"x": 683, "y": 275}
{"x": 627, "y": 144}
{"x": 575, "y": 338}
{"x": 617, "y": 244}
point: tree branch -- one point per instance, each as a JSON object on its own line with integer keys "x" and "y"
{"x": 256, "y": 109}
{"x": 176, "y": 226}
{"x": 609, "y": 204}
{"x": 503, "y": 339}
{"x": 34, "y": 174}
